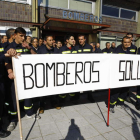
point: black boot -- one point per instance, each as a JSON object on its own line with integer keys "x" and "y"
{"x": 112, "y": 110}
{"x": 137, "y": 106}
{"x": 90, "y": 97}
{"x": 4, "y": 134}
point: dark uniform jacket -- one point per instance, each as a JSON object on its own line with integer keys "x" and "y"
{"x": 18, "y": 48}
{"x": 35, "y": 50}
{"x": 56, "y": 50}
{"x": 105, "y": 50}
{"x": 132, "y": 49}
{"x": 138, "y": 51}
{"x": 2, "y": 63}
{"x": 119, "y": 50}
{"x": 5, "y": 45}
{"x": 44, "y": 50}
{"x": 84, "y": 49}
{"x": 112, "y": 49}
{"x": 65, "y": 50}
{"x": 2, "y": 57}
{"x": 97, "y": 50}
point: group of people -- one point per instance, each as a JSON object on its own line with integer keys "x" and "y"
{"x": 17, "y": 43}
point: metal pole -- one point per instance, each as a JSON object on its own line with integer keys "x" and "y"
{"x": 108, "y": 106}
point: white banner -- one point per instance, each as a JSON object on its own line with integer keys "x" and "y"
{"x": 42, "y": 75}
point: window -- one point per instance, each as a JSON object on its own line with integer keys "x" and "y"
{"x": 111, "y": 11}
{"x": 128, "y": 14}
{"x": 81, "y": 6}
{"x": 119, "y": 12}
{"x": 16, "y": 0}
{"x": 56, "y": 3}
{"x": 77, "y": 5}
{"x": 19, "y": 1}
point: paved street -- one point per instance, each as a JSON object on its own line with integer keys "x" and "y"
{"x": 85, "y": 121}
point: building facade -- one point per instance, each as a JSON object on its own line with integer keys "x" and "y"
{"x": 100, "y": 20}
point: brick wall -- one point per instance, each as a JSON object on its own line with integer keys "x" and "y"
{"x": 119, "y": 25}
{"x": 15, "y": 11}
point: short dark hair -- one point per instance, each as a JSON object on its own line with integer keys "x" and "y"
{"x": 129, "y": 34}
{"x": 45, "y": 38}
{"x": 20, "y": 30}
{"x": 93, "y": 43}
{"x": 10, "y": 32}
{"x": 41, "y": 38}
{"x": 33, "y": 38}
{"x": 58, "y": 41}
{"x": 107, "y": 43}
{"x": 67, "y": 37}
{"x": 27, "y": 36}
{"x": 125, "y": 37}
{"x": 82, "y": 35}
{"x": 2, "y": 36}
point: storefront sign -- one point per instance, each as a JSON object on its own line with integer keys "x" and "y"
{"x": 81, "y": 17}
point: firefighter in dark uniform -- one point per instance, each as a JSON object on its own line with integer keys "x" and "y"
{"x": 18, "y": 44}
{"x": 83, "y": 47}
{"x": 137, "y": 105}
{"x": 35, "y": 47}
{"x": 95, "y": 50}
{"x": 48, "y": 49}
{"x": 58, "y": 46}
{"x": 3, "y": 133}
{"x": 10, "y": 36}
{"x": 132, "y": 50}
{"x": 113, "y": 46}
{"x": 138, "y": 51}
{"x": 40, "y": 42}
{"x": 68, "y": 49}
{"x": 107, "y": 49}
{"x": 118, "y": 95}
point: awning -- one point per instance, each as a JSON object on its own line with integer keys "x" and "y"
{"x": 101, "y": 26}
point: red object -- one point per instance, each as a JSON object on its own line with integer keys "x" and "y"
{"x": 70, "y": 48}
{"x": 108, "y": 106}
